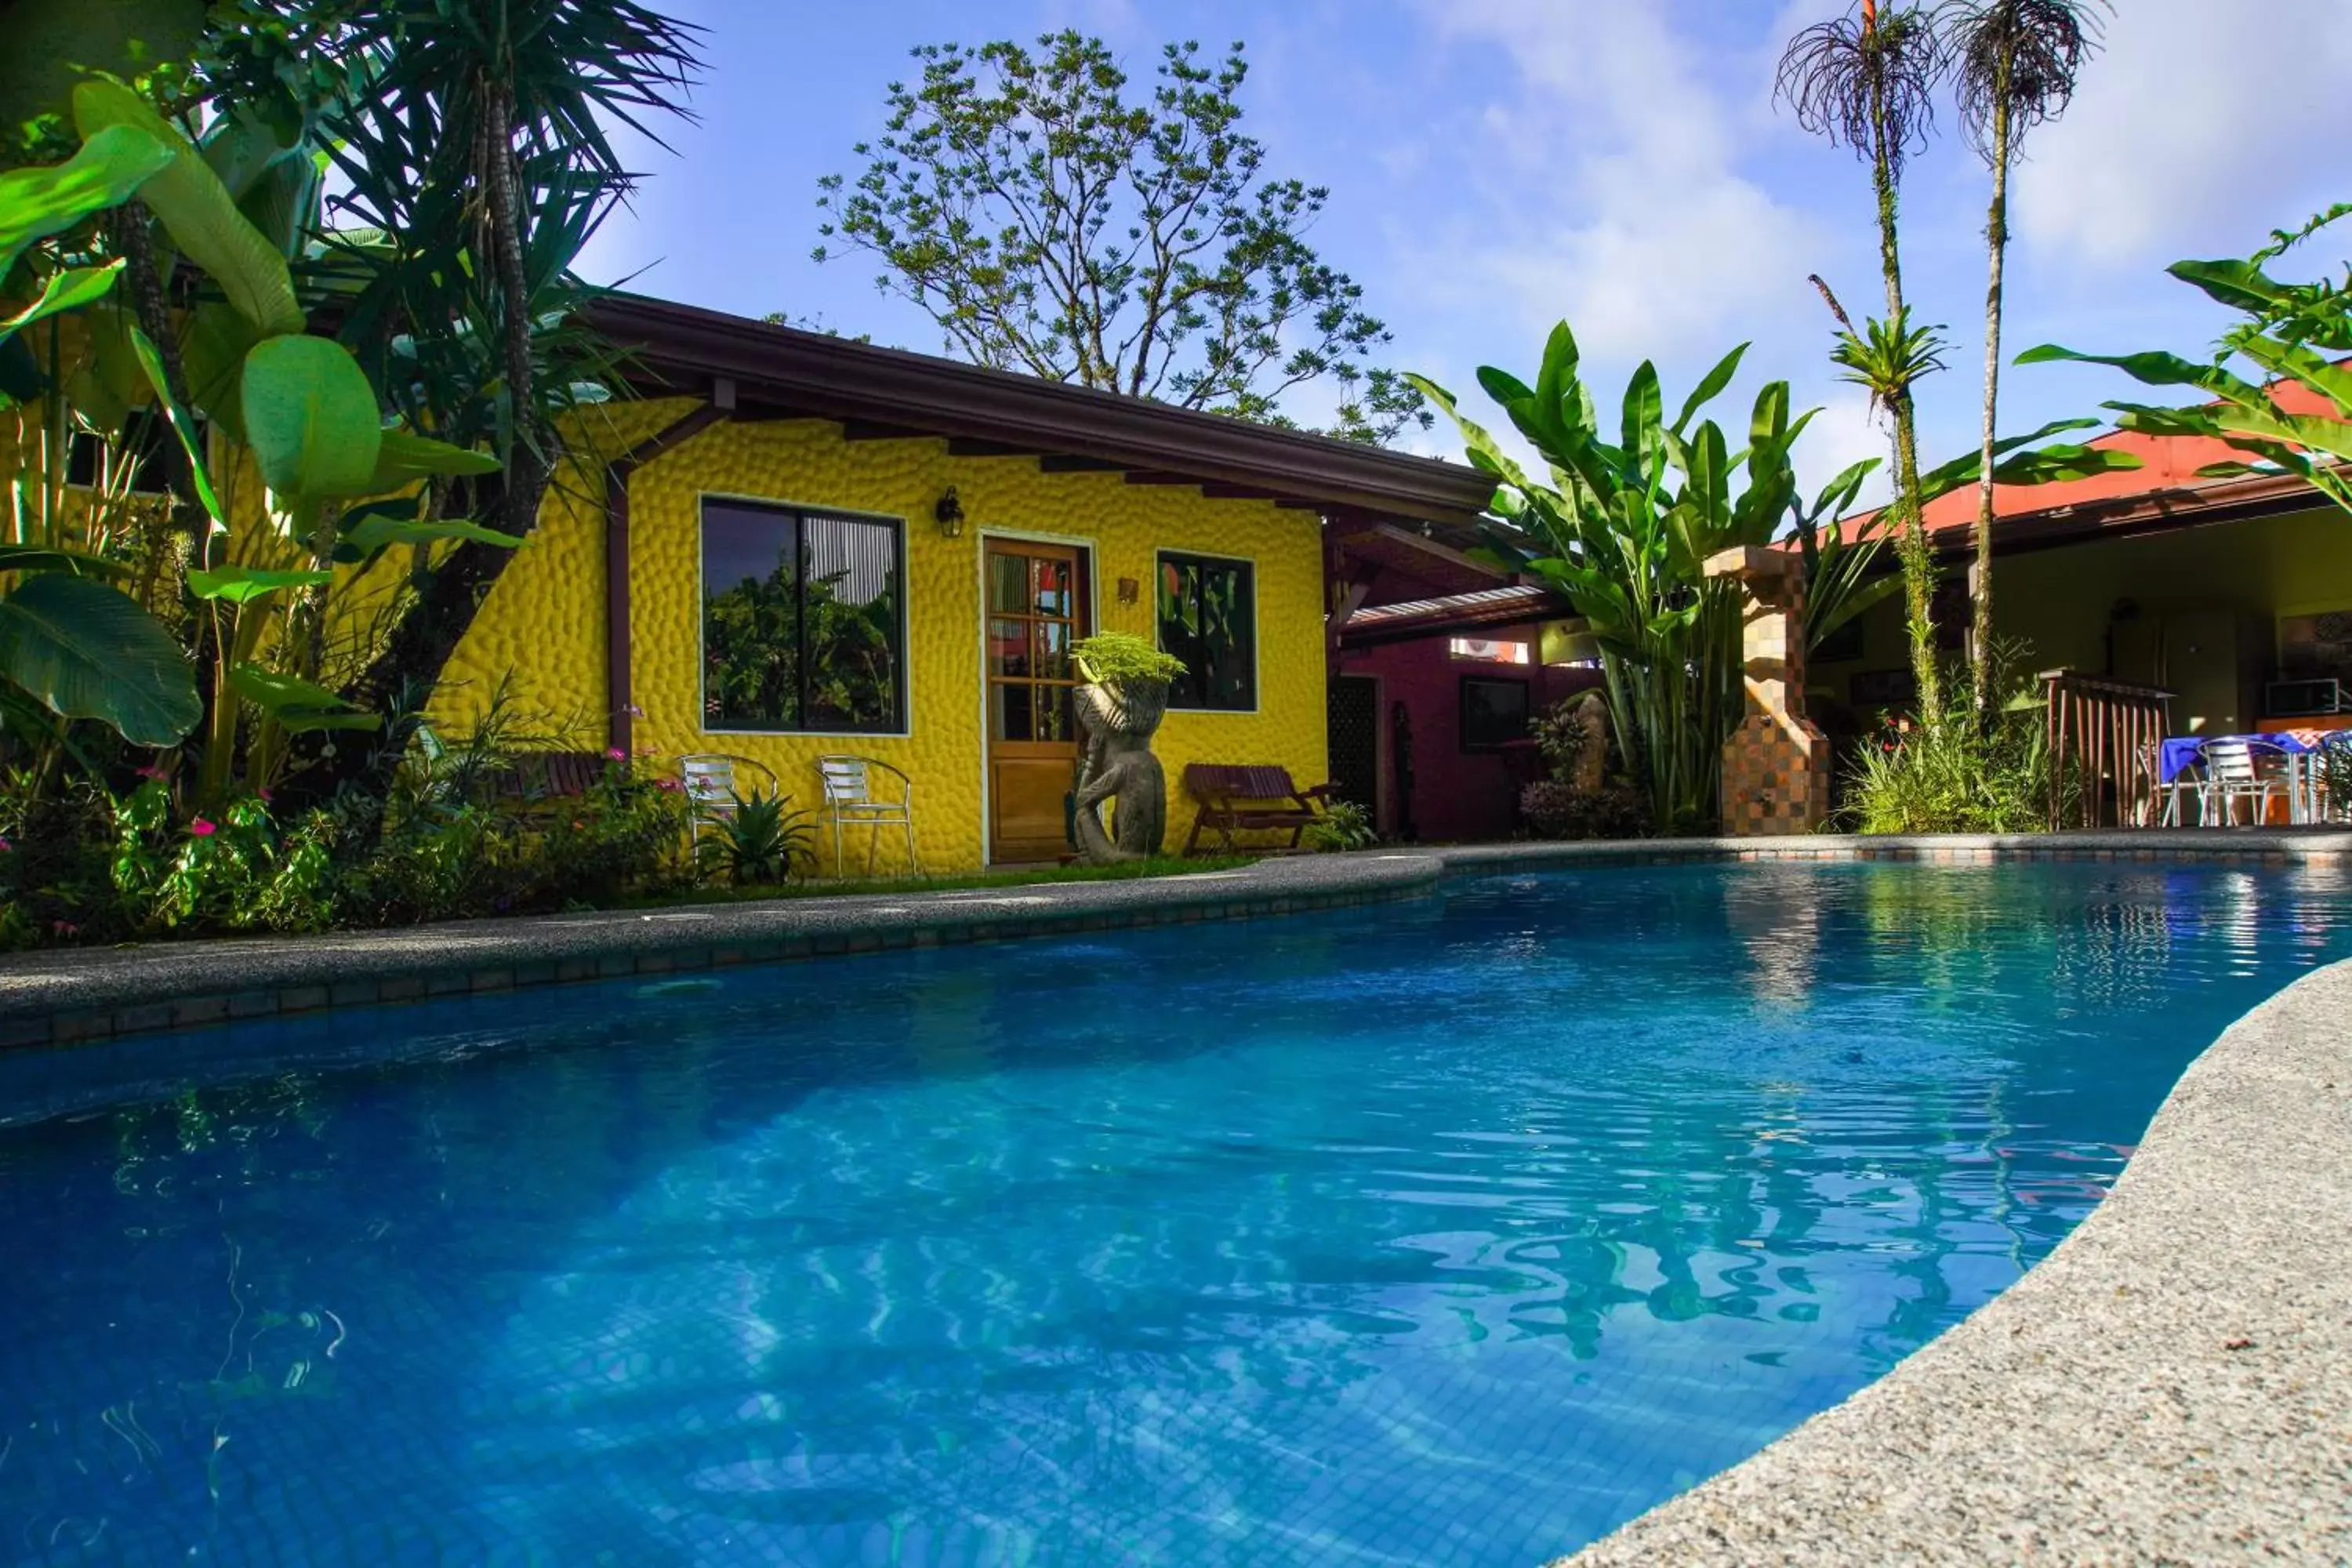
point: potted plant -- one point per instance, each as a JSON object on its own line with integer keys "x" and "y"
{"x": 1120, "y": 708}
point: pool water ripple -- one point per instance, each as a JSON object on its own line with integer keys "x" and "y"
{"x": 1454, "y": 1232}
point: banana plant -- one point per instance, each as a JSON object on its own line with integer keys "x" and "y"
{"x": 1624, "y": 530}
{"x": 2293, "y": 334}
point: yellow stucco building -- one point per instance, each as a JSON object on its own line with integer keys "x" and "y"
{"x": 795, "y": 547}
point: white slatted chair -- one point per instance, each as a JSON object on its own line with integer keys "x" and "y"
{"x": 711, "y": 786}
{"x": 2238, "y": 769}
{"x": 850, "y": 801}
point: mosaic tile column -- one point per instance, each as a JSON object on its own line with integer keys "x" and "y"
{"x": 1776, "y": 766}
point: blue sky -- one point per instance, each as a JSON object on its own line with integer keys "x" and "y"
{"x": 1496, "y": 165}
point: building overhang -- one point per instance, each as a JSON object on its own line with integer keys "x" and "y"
{"x": 880, "y": 394}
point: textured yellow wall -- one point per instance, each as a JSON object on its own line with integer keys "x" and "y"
{"x": 544, "y": 620}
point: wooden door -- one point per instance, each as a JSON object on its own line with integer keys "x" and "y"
{"x": 1036, "y": 605}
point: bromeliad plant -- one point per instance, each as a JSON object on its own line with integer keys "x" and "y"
{"x": 760, "y": 841}
{"x": 1624, "y": 530}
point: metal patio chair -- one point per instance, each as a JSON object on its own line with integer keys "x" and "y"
{"x": 851, "y": 801}
{"x": 2326, "y": 774}
{"x": 2239, "y": 768}
{"x": 710, "y": 787}
{"x": 2163, "y": 803}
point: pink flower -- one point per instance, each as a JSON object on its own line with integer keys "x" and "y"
{"x": 152, "y": 772}
{"x": 6, "y": 847}
{"x": 615, "y": 754}
{"x": 65, "y": 928}
{"x": 202, "y": 828}
{"x": 671, "y": 784}
{"x": 265, "y": 796}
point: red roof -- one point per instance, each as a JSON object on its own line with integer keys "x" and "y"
{"x": 2165, "y": 486}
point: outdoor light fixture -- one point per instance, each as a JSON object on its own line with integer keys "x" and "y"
{"x": 1129, "y": 590}
{"x": 949, "y": 513}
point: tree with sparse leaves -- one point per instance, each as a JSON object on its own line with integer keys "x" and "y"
{"x": 1054, "y": 223}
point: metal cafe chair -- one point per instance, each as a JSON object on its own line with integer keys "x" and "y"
{"x": 710, "y": 787}
{"x": 851, "y": 801}
{"x": 2241, "y": 768}
{"x": 2163, "y": 803}
{"x": 2327, "y": 778}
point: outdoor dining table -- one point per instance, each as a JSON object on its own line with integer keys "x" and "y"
{"x": 2176, "y": 754}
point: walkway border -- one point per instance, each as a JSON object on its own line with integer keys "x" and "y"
{"x": 67, "y": 996}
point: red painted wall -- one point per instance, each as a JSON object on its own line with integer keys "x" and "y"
{"x": 1458, "y": 796}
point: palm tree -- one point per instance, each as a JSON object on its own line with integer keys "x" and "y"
{"x": 1867, "y": 81}
{"x": 2015, "y": 63}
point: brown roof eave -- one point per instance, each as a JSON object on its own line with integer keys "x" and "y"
{"x": 834, "y": 378}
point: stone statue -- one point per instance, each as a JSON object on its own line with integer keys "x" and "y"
{"x": 1115, "y": 764}
{"x": 1592, "y": 716}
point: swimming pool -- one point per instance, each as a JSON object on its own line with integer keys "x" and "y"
{"x": 1455, "y": 1231}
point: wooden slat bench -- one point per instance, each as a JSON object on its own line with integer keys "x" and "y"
{"x": 1248, "y": 798}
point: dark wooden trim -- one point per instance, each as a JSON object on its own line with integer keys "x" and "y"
{"x": 877, "y": 430}
{"x": 1068, "y": 463}
{"x": 1217, "y": 490}
{"x": 1158, "y": 477}
{"x": 681, "y": 347}
{"x": 973, "y": 447}
{"x": 620, "y": 695}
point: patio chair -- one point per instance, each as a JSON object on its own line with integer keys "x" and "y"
{"x": 1247, "y": 798}
{"x": 2239, "y": 768}
{"x": 2163, "y": 804}
{"x": 710, "y": 787}
{"x": 851, "y": 801}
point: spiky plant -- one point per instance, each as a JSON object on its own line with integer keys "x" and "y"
{"x": 2015, "y": 63}
{"x": 1867, "y": 81}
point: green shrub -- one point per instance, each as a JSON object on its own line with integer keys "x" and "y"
{"x": 1959, "y": 777}
{"x": 1344, "y": 825}
{"x": 1557, "y": 808}
{"x": 761, "y": 842}
{"x": 1123, "y": 655}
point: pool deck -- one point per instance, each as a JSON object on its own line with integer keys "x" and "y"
{"x": 2173, "y": 1383}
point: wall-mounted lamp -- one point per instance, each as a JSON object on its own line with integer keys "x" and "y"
{"x": 1129, "y": 590}
{"x": 950, "y": 513}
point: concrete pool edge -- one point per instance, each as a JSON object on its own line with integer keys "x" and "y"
{"x": 2172, "y": 1383}
{"x": 74, "y": 996}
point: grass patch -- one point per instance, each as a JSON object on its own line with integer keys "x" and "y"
{"x": 818, "y": 888}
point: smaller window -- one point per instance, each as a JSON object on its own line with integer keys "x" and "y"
{"x": 1208, "y": 618}
{"x": 1482, "y": 650}
{"x": 1493, "y": 712}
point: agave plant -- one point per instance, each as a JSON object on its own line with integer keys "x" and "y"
{"x": 759, "y": 841}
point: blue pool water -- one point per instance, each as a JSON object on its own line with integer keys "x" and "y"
{"x": 1454, "y": 1232}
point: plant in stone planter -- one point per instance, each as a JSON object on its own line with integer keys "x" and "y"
{"x": 1120, "y": 708}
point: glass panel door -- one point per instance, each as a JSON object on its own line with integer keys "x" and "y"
{"x": 1036, "y": 608}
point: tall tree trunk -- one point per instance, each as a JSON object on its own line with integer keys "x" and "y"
{"x": 448, "y": 598}
{"x": 1910, "y": 521}
{"x": 1996, "y": 248}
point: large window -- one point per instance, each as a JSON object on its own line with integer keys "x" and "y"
{"x": 1208, "y": 618}
{"x": 804, "y": 625}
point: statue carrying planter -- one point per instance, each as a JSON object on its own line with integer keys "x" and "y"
{"x": 1120, "y": 708}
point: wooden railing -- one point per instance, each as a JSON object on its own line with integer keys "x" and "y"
{"x": 2104, "y": 739}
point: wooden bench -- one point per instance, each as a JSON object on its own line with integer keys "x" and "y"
{"x": 1245, "y": 799}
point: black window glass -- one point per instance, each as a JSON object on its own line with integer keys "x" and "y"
{"x": 1208, "y": 618}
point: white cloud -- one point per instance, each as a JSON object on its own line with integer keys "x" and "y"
{"x": 2200, "y": 128}
{"x": 1627, "y": 212}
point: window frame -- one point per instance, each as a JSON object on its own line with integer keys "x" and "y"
{"x": 1160, "y": 555}
{"x": 1462, "y": 709}
{"x": 799, "y": 509}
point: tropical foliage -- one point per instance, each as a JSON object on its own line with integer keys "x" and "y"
{"x": 758, "y": 841}
{"x": 761, "y": 635}
{"x": 1992, "y": 777}
{"x": 1624, "y": 530}
{"x": 2291, "y": 334}
{"x": 1052, "y": 222}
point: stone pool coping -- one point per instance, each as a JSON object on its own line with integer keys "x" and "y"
{"x": 65, "y": 997}
{"x": 2173, "y": 1383}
